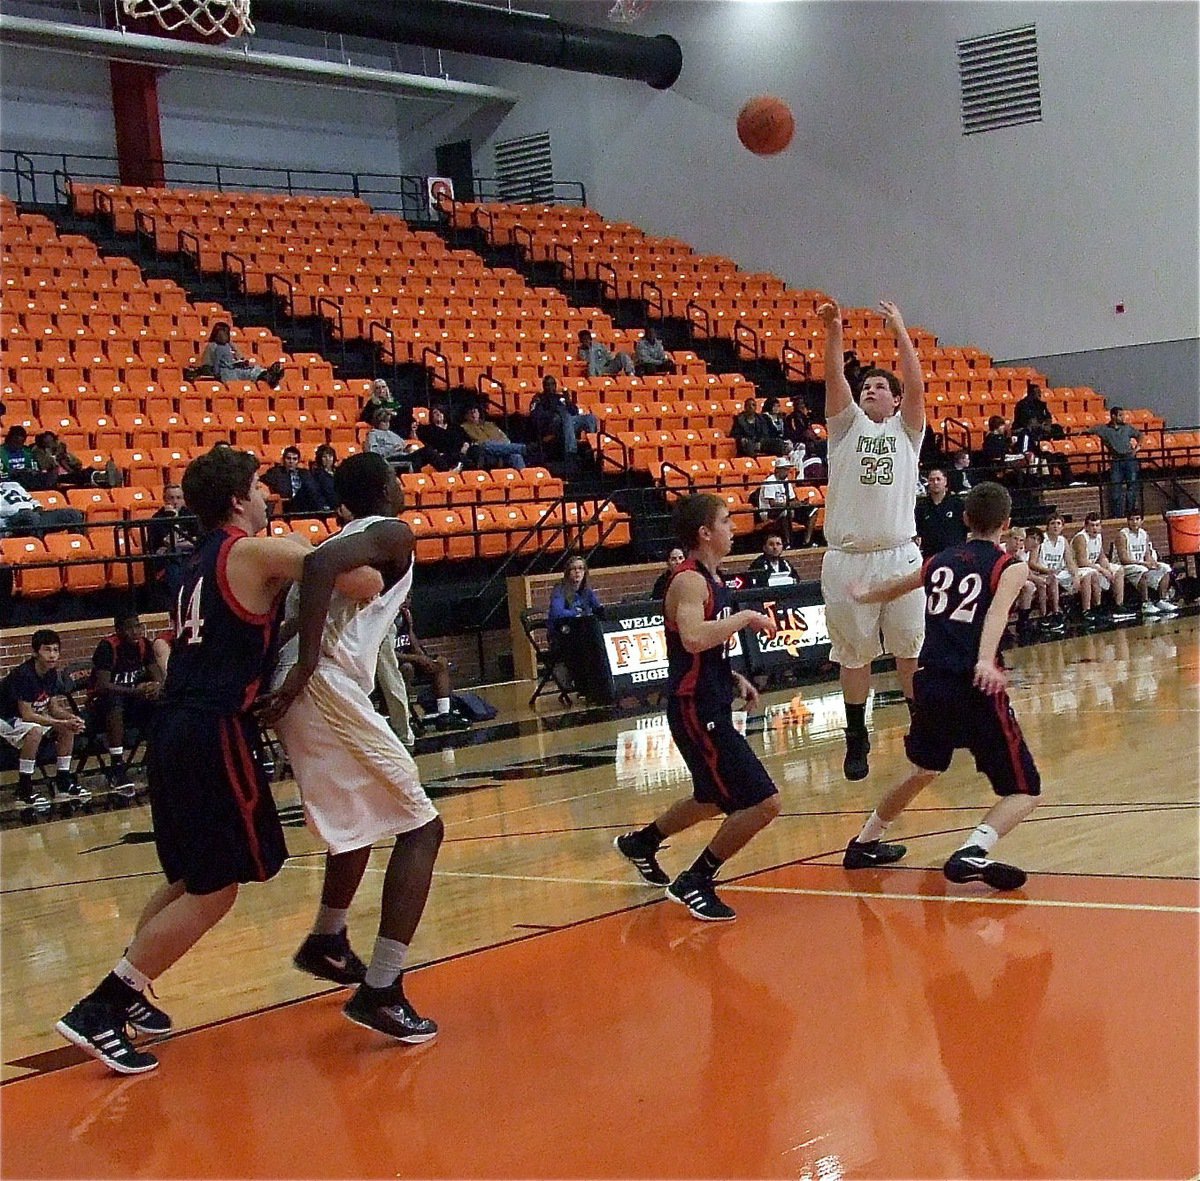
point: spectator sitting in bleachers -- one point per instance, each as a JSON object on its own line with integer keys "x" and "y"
{"x": 21, "y": 515}
{"x": 18, "y": 462}
{"x": 36, "y": 701}
{"x": 1031, "y": 413}
{"x": 649, "y": 355}
{"x": 961, "y": 477}
{"x": 557, "y": 422}
{"x": 126, "y": 682}
{"x": 675, "y": 556}
{"x": 798, "y": 430}
{"x": 445, "y": 446}
{"x": 413, "y": 659}
{"x": 221, "y": 361}
{"x": 998, "y": 459}
{"x": 778, "y": 508}
{"x": 382, "y": 440}
{"x": 601, "y": 361}
{"x": 490, "y": 446}
{"x": 752, "y": 433}
{"x": 772, "y": 560}
{"x": 320, "y": 473}
{"x": 68, "y": 471}
{"x": 171, "y": 536}
{"x": 380, "y": 398}
{"x": 289, "y": 481}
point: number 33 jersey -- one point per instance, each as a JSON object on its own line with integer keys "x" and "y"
{"x": 960, "y": 583}
{"x": 871, "y": 500}
{"x": 221, "y": 651}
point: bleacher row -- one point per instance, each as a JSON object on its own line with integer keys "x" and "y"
{"x": 478, "y": 327}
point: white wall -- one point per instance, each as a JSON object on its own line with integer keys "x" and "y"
{"x": 1021, "y": 240}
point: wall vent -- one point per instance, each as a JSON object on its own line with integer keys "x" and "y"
{"x": 998, "y": 74}
{"x": 524, "y": 169}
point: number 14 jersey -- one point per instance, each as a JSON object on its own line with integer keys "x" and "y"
{"x": 221, "y": 651}
{"x": 960, "y": 583}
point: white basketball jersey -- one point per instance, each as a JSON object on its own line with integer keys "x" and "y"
{"x": 871, "y": 503}
{"x": 1137, "y": 545}
{"x": 1053, "y": 554}
{"x": 1095, "y": 545}
{"x": 353, "y": 631}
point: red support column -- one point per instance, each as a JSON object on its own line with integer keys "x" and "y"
{"x": 135, "y": 114}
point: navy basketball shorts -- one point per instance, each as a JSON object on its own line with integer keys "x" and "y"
{"x": 725, "y": 771}
{"x": 950, "y": 714}
{"x": 214, "y": 818}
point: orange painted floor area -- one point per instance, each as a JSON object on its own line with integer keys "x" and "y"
{"x": 844, "y": 1026}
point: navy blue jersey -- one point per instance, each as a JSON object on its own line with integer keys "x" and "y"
{"x": 705, "y": 676}
{"x": 127, "y": 661}
{"x": 36, "y": 689}
{"x": 222, "y": 652}
{"x": 960, "y": 583}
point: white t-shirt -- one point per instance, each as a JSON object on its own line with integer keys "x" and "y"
{"x": 871, "y": 501}
{"x": 13, "y": 498}
{"x": 774, "y": 493}
{"x": 1053, "y": 554}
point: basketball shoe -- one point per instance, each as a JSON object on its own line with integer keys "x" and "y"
{"x": 67, "y": 787}
{"x": 99, "y": 1030}
{"x": 972, "y": 864}
{"x": 388, "y": 1010}
{"x": 643, "y": 857}
{"x": 146, "y": 1017}
{"x": 858, "y": 746}
{"x": 699, "y": 895}
{"x": 330, "y": 957}
{"x": 865, "y": 854}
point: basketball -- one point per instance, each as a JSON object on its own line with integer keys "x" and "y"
{"x": 765, "y": 125}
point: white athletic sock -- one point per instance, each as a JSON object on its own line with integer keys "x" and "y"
{"x": 443, "y": 705}
{"x": 329, "y": 920}
{"x": 873, "y": 829}
{"x": 387, "y": 963}
{"x": 127, "y": 972}
{"x": 26, "y": 766}
{"x": 64, "y": 762}
{"x": 984, "y": 837}
{"x": 117, "y": 753}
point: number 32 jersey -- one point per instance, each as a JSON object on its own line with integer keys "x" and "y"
{"x": 960, "y": 583}
{"x": 221, "y": 651}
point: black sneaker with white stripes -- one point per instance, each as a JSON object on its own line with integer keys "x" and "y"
{"x": 699, "y": 895}
{"x": 972, "y": 864}
{"x": 330, "y": 957}
{"x": 99, "y": 1030}
{"x": 855, "y": 765}
{"x": 387, "y": 1010}
{"x": 864, "y": 854}
{"x": 146, "y": 1017}
{"x": 642, "y": 855}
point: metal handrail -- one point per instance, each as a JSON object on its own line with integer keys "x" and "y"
{"x": 652, "y": 297}
{"x": 602, "y": 458}
{"x": 805, "y": 369}
{"x": 740, "y": 326}
{"x": 321, "y": 302}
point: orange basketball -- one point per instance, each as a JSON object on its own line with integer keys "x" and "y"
{"x": 765, "y": 125}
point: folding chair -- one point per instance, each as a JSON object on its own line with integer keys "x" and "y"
{"x": 536, "y": 625}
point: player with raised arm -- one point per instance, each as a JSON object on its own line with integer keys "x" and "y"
{"x": 870, "y": 520}
{"x": 961, "y": 699}
{"x": 358, "y": 782}
{"x": 727, "y": 776}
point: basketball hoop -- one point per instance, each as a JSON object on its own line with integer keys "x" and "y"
{"x": 624, "y": 12}
{"x": 230, "y": 18}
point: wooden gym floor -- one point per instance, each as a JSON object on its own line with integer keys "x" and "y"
{"x": 879, "y": 1024}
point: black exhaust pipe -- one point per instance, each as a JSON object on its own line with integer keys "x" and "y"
{"x": 488, "y": 32}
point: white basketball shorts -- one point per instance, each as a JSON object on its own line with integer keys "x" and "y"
{"x": 854, "y": 628}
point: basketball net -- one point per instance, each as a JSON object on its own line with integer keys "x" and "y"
{"x": 623, "y": 12}
{"x": 231, "y": 18}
